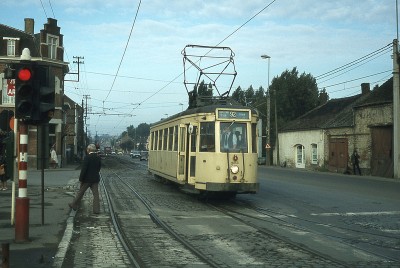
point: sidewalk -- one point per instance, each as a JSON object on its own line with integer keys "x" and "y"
{"x": 48, "y": 242}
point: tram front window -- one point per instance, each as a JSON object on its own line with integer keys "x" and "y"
{"x": 207, "y": 137}
{"x": 233, "y": 137}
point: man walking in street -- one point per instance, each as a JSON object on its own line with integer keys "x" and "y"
{"x": 89, "y": 177}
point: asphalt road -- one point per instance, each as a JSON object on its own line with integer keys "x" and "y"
{"x": 353, "y": 218}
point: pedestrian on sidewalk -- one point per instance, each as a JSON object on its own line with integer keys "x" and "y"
{"x": 53, "y": 157}
{"x": 355, "y": 160}
{"x": 3, "y": 177}
{"x": 89, "y": 177}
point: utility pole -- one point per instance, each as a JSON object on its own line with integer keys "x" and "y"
{"x": 268, "y": 128}
{"x": 77, "y": 62}
{"x": 396, "y": 111}
{"x": 85, "y": 116}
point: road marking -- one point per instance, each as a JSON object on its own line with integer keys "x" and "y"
{"x": 351, "y": 214}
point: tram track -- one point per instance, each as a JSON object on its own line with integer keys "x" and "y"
{"x": 136, "y": 256}
{"x": 117, "y": 227}
{"x": 231, "y": 233}
{"x": 196, "y": 248}
{"x": 156, "y": 219}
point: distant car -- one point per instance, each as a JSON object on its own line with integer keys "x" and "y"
{"x": 135, "y": 154}
{"x": 144, "y": 156}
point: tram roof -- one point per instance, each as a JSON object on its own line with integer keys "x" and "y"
{"x": 205, "y": 109}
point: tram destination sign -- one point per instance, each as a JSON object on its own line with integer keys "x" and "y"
{"x": 231, "y": 114}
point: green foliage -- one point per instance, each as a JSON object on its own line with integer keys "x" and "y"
{"x": 203, "y": 90}
{"x": 294, "y": 94}
{"x": 126, "y": 143}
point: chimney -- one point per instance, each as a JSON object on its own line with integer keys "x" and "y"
{"x": 29, "y": 25}
{"x": 365, "y": 88}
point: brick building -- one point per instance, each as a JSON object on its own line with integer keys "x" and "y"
{"x": 46, "y": 48}
{"x": 325, "y": 137}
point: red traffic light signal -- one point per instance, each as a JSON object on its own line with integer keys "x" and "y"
{"x": 24, "y": 74}
{"x": 24, "y": 91}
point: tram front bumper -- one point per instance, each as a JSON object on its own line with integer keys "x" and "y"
{"x": 233, "y": 187}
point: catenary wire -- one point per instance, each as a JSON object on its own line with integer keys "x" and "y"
{"x": 126, "y": 47}
{"x": 350, "y": 64}
{"x": 237, "y": 29}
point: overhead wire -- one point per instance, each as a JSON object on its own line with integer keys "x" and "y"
{"x": 355, "y": 79}
{"x": 44, "y": 10}
{"x": 126, "y": 47}
{"x": 237, "y": 29}
{"x": 52, "y": 11}
{"x": 357, "y": 66}
{"x": 354, "y": 62}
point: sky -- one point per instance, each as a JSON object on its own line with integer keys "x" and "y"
{"x": 132, "y": 70}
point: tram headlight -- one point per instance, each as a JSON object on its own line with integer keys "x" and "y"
{"x": 234, "y": 169}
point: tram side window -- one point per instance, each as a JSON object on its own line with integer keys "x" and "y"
{"x": 176, "y": 138}
{"x": 170, "y": 138}
{"x": 159, "y": 140}
{"x": 155, "y": 140}
{"x": 165, "y": 139}
{"x": 151, "y": 141}
{"x": 254, "y": 138}
{"x": 207, "y": 137}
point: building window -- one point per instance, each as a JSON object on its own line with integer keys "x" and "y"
{"x": 52, "y": 42}
{"x": 11, "y": 47}
{"x": 314, "y": 154}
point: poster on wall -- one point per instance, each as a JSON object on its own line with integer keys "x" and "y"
{"x": 8, "y": 91}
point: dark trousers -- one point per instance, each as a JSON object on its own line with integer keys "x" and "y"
{"x": 95, "y": 190}
{"x": 356, "y": 166}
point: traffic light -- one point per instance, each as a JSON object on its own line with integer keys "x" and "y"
{"x": 24, "y": 91}
{"x": 34, "y": 93}
{"x": 46, "y": 98}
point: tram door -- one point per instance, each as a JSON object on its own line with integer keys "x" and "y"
{"x": 182, "y": 139}
{"x": 192, "y": 145}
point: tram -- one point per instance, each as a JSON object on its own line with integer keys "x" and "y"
{"x": 212, "y": 146}
{"x": 207, "y": 149}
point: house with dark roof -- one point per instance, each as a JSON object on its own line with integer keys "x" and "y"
{"x": 325, "y": 137}
{"x": 46, "y": 48}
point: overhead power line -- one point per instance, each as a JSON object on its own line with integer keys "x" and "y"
{"x": 352, "y": 80}
{"x": 237, "y": 29}
{"x": 123, "y": 54}
{"x": 354, "y": 62}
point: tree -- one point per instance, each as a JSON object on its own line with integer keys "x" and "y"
{"x": 204, "y": 91}
{"x": 126, "y": 143}
{"x": 295, "y": 95}
{"x": 131, "y": 131}
{"x": 142, "y": 134}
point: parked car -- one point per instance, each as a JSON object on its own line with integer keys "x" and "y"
{"x": 144, "y": 156}
{"x": 135, "y": 154}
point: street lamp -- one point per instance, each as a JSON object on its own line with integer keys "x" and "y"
{"x": 268, "y": 128}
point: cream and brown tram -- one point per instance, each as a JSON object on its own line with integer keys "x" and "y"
{"x": 207, "y": 149}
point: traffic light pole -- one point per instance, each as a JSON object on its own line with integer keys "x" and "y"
{"x": 22, "y": 201}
